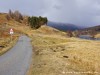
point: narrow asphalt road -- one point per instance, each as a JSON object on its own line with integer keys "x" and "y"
{"x": 18, "y": 59}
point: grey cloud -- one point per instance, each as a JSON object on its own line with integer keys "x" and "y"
{"x": 57, "y": 7}
{"x": 79, "y": 12}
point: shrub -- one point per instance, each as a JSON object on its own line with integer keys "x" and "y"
{"x": 36, "y": 22}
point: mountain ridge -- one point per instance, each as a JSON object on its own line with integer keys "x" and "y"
{"x": 94, "y": 28}
{"x": 63, "y": 26}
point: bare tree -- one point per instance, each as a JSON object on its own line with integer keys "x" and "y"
{"x": 18, "y": 16}
{"x": 11, "y": 14}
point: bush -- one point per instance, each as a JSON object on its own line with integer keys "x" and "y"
{"x": 36, "y": 22}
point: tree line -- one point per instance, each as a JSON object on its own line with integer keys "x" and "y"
{"x": 36, "y": 22}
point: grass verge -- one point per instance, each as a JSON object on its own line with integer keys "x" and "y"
{"x": 8, "y": 45}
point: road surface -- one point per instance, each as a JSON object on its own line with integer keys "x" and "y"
{"x": 17, "y": 60}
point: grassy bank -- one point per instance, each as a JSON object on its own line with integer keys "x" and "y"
{"x": 56, "y": 54}
{"x": 7, "y": 44}
{"x": 97, "y": 36}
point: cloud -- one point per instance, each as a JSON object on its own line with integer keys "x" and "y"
{"x": 79, "y": 12}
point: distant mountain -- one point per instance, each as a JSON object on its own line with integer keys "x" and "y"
{"x": 94, "y": 28}
{"x": 63, "y": 26}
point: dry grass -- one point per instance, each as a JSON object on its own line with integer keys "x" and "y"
{"x": 59, "y": 55}
{"x": 97, "y": 36}
{"x": 7, "y": 44}
{"x": 81, "y": 58}
{"x": 2, "y": 18}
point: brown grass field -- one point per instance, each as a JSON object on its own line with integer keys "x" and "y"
{"x": 97, "y": 36}
{"x": 56, "y": 54}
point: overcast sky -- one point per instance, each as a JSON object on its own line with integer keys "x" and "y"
{"x": 79, "y": 12}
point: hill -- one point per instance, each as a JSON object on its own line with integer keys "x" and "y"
{"x": 95, "y": 28}
{"x": 63, "y": 26}
{"x": 56, "y": 54}
{"x": 5, "y": 37}
{"x": 93, "y": 31}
